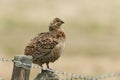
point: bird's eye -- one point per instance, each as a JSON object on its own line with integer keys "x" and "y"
{"x": 57, "y": 20}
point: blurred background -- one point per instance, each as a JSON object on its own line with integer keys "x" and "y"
{"x": 92, "y": 28}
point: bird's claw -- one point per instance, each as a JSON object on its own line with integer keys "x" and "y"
{"x": 47, "y": 69}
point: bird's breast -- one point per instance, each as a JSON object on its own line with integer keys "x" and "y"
{"x": 60, "y": 47}
{"x": 56, "y": 52}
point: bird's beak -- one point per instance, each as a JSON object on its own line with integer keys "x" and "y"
{"x": 62, "y": 22}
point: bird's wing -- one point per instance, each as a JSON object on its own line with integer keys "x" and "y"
{"x": 41, "y": 45}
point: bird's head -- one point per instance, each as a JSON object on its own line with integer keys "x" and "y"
{"x": 55, "y": 24}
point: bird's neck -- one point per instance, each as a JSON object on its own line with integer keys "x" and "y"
{"x": 59, "y": 33}
{"x": 55, "y": 30}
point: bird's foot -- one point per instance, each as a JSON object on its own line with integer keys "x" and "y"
{"x": 42, "y": 69}
{"x": 50, "y": 69}
{"x": 47, "y": 69}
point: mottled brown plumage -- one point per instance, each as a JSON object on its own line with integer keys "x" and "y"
{"x": 47, "y": 46}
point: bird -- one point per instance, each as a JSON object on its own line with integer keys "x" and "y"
{"x": 48, "y": 46}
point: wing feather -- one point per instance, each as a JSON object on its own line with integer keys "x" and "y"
{"x": 41, "y": 45}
